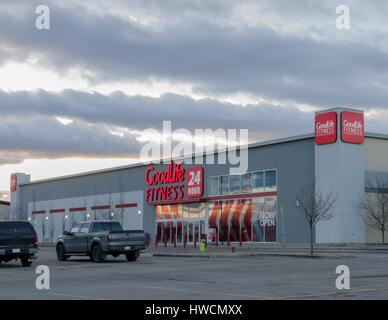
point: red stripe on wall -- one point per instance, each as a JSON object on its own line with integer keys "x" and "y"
{"x": 57, "y": 210}
{"x": 126, "y": 205}
{"x": 39, "y": 212}
{"x": 103, "y": 207}
{"x": 77, "y": 209}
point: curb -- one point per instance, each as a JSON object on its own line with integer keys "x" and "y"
{"x": 241, "y": 255}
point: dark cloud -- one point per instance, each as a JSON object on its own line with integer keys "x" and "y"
{"x": 295, "y": 56}
{"x": 45, "y": 137}
{"x": 29, "y": 128}
{"x": 141, "y": 112}
{"x": 217, "y": 59}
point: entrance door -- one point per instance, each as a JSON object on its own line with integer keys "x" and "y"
{"x": 183, "y": 230}
{"x": 193, "y": 231}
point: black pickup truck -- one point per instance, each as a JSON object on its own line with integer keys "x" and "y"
{"x": 97, "y": 239}
{"x": 18, "y": 240}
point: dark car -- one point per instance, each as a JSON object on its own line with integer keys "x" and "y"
{"x": 97, "y": 239}
{"x": 18, "y": 240}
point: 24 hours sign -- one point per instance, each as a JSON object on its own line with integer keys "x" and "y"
{"x": 194, "y": 182}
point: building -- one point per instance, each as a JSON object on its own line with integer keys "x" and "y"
{"x": 183, "y": 203}
{"x": 4, "y": 210}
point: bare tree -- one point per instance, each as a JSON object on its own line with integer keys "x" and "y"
{"x": 374, "y": 205}
{"x": 315, "y": 207}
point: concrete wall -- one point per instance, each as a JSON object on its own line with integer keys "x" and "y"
{"x": 339, "y": 170}
{"x": 376, "y": 163}
{"x": 50, "y": 225}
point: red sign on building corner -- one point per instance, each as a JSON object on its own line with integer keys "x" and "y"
{"x": 13, "y": 184}
{"x": 326, "y": 128}
{"x": 352, "y": 127}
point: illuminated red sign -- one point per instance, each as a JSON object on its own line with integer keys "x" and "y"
{"x": 326, "y": 128}
{"x": 13, "y": 182}
{"x": 173, "y": 183}
{"x": 352, "y": 127}
{"x": 194, "y": 182}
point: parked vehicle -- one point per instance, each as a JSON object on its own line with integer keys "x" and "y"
{"x": 18, "y": 240}
{"x": 97, "y": 239}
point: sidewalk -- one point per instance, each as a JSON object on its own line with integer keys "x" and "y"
{"x": 246, "y": 250}
{"x": 261, "y": 249}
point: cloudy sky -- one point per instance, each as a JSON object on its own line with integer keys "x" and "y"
{"x": 77, "y": 97}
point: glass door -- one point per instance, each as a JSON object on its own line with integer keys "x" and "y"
{"x": 190, "y": 232}
{"x": 193, "y": 229}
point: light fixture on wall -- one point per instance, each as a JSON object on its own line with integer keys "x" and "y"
{"x": 29, "y": 218}
{"x": 139, "y": 212}
{"x": 47, "y": 218}
{"x": 66, "y": 216}
{"x": 112, "y": 214}
{"x": 88, "y": 216}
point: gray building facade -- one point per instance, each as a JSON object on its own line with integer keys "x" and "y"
{"x": 184, "y": 203}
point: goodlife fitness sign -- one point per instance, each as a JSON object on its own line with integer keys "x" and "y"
{"x": 352, "y": 127}
{"x": 326, "y": 128}
{"x": 173, "y": 184}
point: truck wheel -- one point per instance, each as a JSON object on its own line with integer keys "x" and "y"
{"x": 132, "y": 256}
{"x": 97, "y": 254}
{"x": 25, "y": 261}
{"x": 61, "y": 253}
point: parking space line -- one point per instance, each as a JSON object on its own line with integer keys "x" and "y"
{"x": 74, "y": 296}
{"x": 333, "y": 293}
{"x": 201, "y": 292}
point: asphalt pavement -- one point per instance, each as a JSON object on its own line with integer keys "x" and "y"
{"x": 222, "y": 277}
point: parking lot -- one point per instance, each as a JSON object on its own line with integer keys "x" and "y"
{"x": 257, "y": 277}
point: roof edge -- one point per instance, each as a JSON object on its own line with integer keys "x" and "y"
{"x": 376, "y": 135}
{"x": 140, "y": 164}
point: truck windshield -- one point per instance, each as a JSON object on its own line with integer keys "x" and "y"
{"x": 11, "y": 227}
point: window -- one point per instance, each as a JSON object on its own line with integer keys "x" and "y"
{"x": 115, "y": 226}
{"x": 194, "y": 210}
{"x": 225, "y": 185}
{"x": 185, "y": 212}
{"x": 235, "y": 184}
{"x": 258, "y": 181}
{"x": 75, "y": 229}
{"x": 15, "y": 227}
{"x": 97, "y": 227}
{"x": 246, "y": 183}
{"x": 270, "y": 180}
{"x": 214, "y": 186}
{"x": 84, "y": 228}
